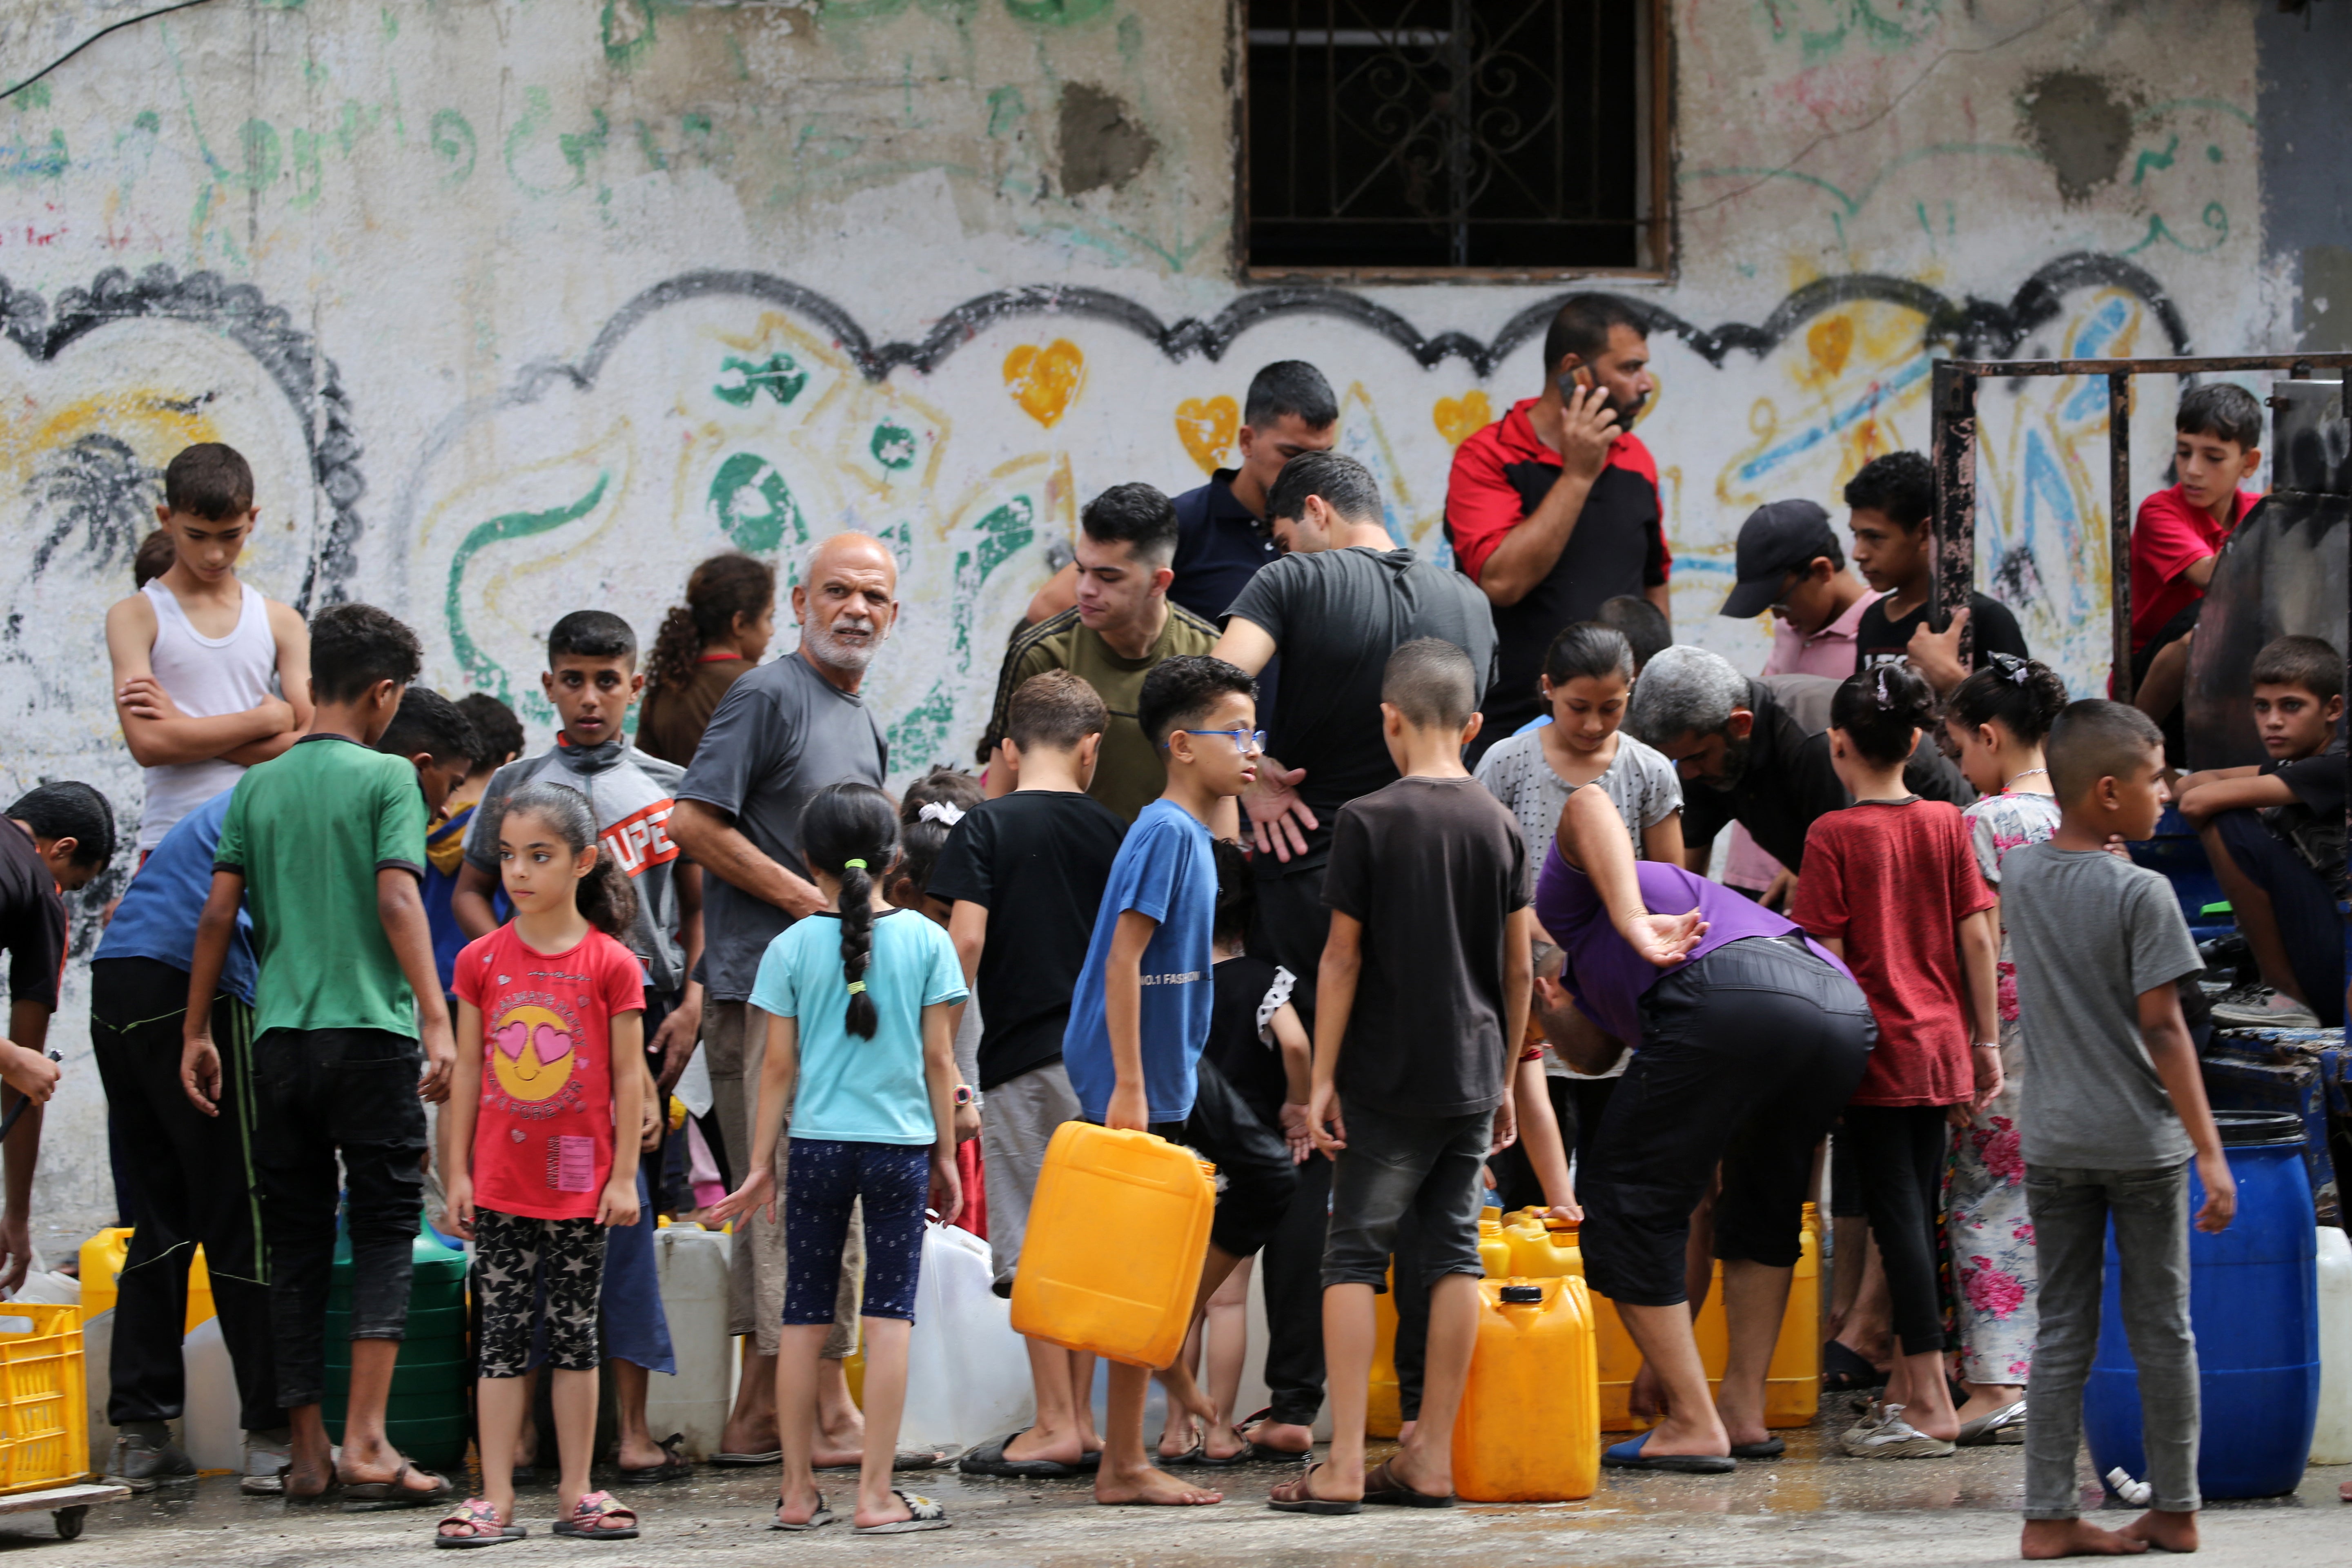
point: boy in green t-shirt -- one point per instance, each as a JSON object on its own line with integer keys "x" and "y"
{"x": 325, "y": 845}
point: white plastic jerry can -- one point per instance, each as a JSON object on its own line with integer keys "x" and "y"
{"x": 691, "y": 1264}
{"x": 2331, "y": 1437}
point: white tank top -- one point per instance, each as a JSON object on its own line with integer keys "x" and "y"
{"x": 204, "y": 677}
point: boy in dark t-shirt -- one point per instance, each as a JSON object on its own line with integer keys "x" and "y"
{"x": 1423, "y": 1001}
{"x": 1893, "y": 498}
{"x": 1042, "y": 855}
{"x": 2275, "y": 835}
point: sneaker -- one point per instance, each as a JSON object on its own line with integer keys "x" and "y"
{"x": 1870, "y": 1418}
{"x": 1893, "y": 1439}
{"x": 2263, "y": 1007}
{"x": 144, "y": 1459}
{"x": 267, "y": 1459}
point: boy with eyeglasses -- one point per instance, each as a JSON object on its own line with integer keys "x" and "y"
{"x": 1140, "y": 1019}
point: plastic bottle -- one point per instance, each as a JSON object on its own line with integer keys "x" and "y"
{"x": 691, "y": 1264}
{"x": 1529, "y": 1429}
{"x": 1111, "y": 1261}
{"x": 102, "y": 1257}
{"x": 212, "y": 1423}
{"x": 2331, "y": 1437}
{"x": 1494, "y": 1251}
{"x": 1793, "y": 1389}
{"x": 1384, "y": 1406}
{"x": 2253, "y": 1299}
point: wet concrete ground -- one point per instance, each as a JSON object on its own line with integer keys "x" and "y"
{"x": 1812, "y": 1507}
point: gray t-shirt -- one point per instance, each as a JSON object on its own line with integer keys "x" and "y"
{"x": 2090, "y": 932}
{"x": 1639, "y": 782}
{"x": 781, "y": 733}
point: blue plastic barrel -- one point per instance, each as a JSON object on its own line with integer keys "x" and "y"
{"x": 2253, "y": 1302}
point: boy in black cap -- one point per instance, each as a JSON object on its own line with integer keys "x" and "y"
{"x": 1790, "y": 564}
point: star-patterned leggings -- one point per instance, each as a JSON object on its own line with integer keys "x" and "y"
{"x": 514, "y": 1256}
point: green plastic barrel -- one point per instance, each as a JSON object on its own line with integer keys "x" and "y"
{"x": 426, "y": 1418}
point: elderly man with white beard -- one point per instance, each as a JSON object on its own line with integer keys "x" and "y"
{"x": 783, "y": 731}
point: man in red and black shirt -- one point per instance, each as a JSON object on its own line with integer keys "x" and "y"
{"x": 1553, "y": 510}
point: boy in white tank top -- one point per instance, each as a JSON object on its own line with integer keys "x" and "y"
{"x": 195, "y": 651}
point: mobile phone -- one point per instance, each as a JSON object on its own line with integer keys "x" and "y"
{"x": 1581, "y": 377}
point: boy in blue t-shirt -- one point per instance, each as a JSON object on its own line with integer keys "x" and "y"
{"x": 1141, "y": 1016}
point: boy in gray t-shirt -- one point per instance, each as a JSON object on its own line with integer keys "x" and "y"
{"x": 2113, "y": 1107}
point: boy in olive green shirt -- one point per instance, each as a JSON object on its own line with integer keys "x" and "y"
{"x": 326, "y": 845}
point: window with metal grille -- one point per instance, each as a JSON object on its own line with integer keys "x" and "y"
{"x": 1411, "y": 137}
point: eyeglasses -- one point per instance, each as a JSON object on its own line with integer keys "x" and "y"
{"x": 1244, "y": 739}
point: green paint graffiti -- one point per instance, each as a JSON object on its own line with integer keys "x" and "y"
{"x": 628, "y": 31}
{"x": 34, "y": 161}
{"x": 1006, "y": 109}
{"x": 2215, "y": 218}
{"x": 754, "y": 506}
{"x": 2151, "y": 159}
{"x": 454, "y": 144}
{"x": 1823, "y": 27}
{"x": 1008, "y": 530}
{"x": 893, "y": 447}
{"x": 1058, "y": 13}
{"x": 482, "y": 671}
{"x": 779, "y": 376}
{"x": 916, "y": 740}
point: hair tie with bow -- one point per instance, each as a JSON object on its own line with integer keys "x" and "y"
{"x": 1884, "y": 699}
{"x": 946, "y": 813}
{"x": 2017, "y": 669}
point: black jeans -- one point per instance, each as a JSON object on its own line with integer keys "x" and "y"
{"x": 192, "y": 1185}
{"x": 324, "y": 1094}
{"x": 1745, "y": 1058}
{"x": 1898, "y": 1161}
{"x": 2308, "y": 926}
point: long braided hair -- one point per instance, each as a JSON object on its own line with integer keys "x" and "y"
{"x": 851, "y": 832}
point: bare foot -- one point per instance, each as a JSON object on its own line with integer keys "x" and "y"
{"x": 890, "y": 1510}
{"x": 2166, "y": 1531}
{"x": 1404, "y": 1431}
{"x": 799, "y": 1510}
{"x": 748, "y": 1437}
{"x": 1987, "y": 1399}
{"x": 309, "y": 1471}
{"x": 2046, "y": 1538}
{"x": 1064, "y": 1449}
{"x": 1177, "y": 1439}
{"x": 2344, "y": 1492}
{"x": 1283, "y": 1438}
{"x": 1150, "y": 1485}
{"x": 639, "y": 1452}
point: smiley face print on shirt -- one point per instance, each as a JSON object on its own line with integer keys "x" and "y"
{"x": 533, "y": 1051}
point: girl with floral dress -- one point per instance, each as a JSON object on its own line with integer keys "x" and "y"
{"x": 1996, "y": 722}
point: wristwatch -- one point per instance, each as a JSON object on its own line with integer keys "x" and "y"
{"x": 966, "y": 1095}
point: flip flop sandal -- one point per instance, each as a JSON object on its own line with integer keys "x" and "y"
{"x": 1769, "y": 1449}
{"x": 1382, "y": 1488}
{"x": 395, "y": 1492}
{"x": 1845, "y": 1370}
{"x": 1205, "y": 1460}
{"x": 989, "y": 1459}
{"x": 911, "y": 1459}
{"x": 749, "y": 1461}
{"x": 922, "y": 1514}
{"x": 1629, "y": 1457}
{"x": 1307, "y": 1502}
{"x": 817, "y": 1520}
{"x": 483, "y": 1516}
{"x": 1198, "y": 1454}
{"x": 588, "y": 1517}
{"x": 671, "y": 1469}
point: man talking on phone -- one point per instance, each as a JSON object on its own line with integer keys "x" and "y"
{"x": 1553, "y": 509}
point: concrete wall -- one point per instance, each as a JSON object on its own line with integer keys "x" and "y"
{"x": 522, "y": 305}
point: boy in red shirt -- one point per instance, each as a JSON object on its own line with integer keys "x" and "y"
{"x": 2177, "y": 537}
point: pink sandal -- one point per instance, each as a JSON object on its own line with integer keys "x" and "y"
{"x": 481, "y": 1517}
{"x": 591, "y": 1519}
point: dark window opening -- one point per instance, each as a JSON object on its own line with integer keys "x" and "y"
{"x": 1405, "y": 135}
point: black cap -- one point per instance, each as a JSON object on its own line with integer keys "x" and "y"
{"x": 1778, "y": 538}
{"x": 1520, "y": 1294}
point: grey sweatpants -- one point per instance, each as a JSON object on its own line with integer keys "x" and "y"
{"x": 2071, "y": 1209}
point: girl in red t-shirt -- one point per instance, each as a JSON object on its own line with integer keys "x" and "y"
{"x": 550, "y": 1027}
{"x": 1891, "y": 885}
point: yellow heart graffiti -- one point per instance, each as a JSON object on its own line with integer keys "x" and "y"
{"x": 1207, "y": 425}
{"x": 1829, "y": 341}
{"x": 1045, "y": 382}
{"x": 1460, "y": 417}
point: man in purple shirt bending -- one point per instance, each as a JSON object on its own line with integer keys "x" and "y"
{"x": 1747, "y": 1040}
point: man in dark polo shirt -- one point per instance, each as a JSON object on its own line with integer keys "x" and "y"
{"x": 1553, "y": 509}
{"x": 1222, "y": 537}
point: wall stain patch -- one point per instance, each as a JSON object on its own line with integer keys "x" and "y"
{"x": 1101, "y": 146}
{"x": 2081, "y": 123}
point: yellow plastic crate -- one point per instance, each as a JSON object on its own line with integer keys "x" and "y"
{"x": 44, "y": 1401}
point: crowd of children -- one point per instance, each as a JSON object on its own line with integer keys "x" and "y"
{"x": 356, "y": 900}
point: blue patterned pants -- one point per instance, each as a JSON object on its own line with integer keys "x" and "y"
{"x": 512, "y": 1256}
{"x": 822, "y": 1178}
